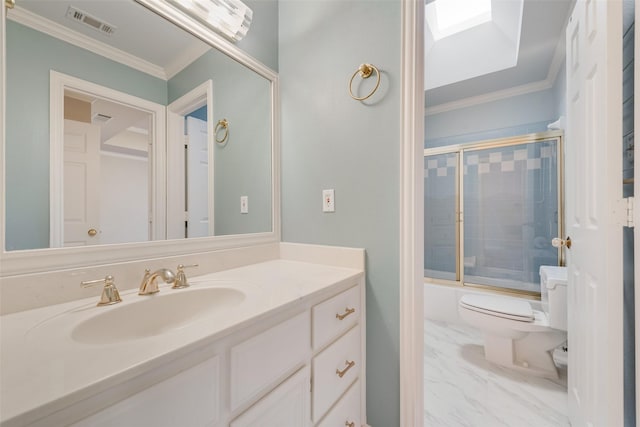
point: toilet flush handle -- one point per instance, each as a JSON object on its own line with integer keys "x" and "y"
{"x": 557, "y": 242}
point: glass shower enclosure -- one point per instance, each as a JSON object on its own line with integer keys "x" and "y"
{"x": 491, "y": 211}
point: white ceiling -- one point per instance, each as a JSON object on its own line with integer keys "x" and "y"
{"x": 543, "y": 23}
{"x": 139, "y": 32}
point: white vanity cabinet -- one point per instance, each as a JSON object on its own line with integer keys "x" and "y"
{"x": 346, "y": 413}
{"x": 257, "y": 363}
{"x": 286, "y": 406}
{"x": 190, "y": 398}
{"x": 332, "y": 377}
{"x": 300, "y": 367}
{"x": 338, "y": 362}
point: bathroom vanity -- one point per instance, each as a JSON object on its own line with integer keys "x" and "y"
{"x": 275, "y": 343}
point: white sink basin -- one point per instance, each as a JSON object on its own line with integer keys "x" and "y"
{"x": 155, "y": 314}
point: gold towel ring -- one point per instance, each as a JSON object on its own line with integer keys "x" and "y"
{"x": 365, "y": 71}
{"x": 222, "y": 124}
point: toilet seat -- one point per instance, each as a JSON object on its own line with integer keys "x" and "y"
{"x": 506, "y": 308}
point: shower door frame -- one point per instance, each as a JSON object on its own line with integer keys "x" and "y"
{"x": 460, "y": 150}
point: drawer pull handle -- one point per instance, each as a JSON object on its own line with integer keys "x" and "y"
{"x": 344, "y": 371}
{"x": 347, "y": 311}
{"x": 350, "y": 424}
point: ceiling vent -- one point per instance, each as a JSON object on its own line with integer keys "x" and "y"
{"x": 100, "y": 118}
{"x": 90, "y": 21}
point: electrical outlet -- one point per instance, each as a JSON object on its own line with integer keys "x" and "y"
{"x": 328, "y": 201}
{"x": 244, "y": 204}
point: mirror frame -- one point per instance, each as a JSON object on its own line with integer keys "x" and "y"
{"x": 50, "y": 259}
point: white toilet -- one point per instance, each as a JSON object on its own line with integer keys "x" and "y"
{"x": 516, "y": 335}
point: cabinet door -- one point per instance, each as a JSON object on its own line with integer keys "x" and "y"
{"x": 286, "y": 406}
{"x": 190, "y": 398}
{"x": 261, "y": 362}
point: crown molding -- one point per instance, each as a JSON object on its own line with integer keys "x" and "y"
{"x": 557, "y": 61}
{"x": 185, "y": 59}
{"x": 53, "y": 29}
{"x": 490, "y": 97}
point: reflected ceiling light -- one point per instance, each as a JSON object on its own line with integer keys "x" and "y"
{"x": 448, "y": 17}
{"x": 231, "y": 18}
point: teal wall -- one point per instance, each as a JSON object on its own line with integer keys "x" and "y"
{"x": 261, "y": 41}
{"x": 30, "y": 56}
{"x": 517, "y": 115}
{"x": 243, "y": 165}
{"x": 331, "y": 141}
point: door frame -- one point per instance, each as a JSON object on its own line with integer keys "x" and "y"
{"x": 60, "y": 82}
{"x": 636, "y": 214}
{"x": 196, "y": 98}
{"x": 411, "y": 214}
{"x": 411, "y": 209}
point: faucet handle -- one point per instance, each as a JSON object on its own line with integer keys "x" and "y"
{"x": 110, "y": 294}
{"x": 181, "y": 278}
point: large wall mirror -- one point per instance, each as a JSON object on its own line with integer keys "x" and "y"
{"x": 123, "y": 129}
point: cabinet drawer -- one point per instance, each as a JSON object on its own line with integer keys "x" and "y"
{"x": 335, "y": 316}
{"x": 334, "y": 370}
{"x": 286, "y": 406}
{"x": 189, "y": 398}
{"x": 347, "y": 410}
{"x": 256, "y": 364}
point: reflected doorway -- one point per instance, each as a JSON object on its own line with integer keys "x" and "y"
{"x": 190, "y": 164}
{"x": 106, "y": 149}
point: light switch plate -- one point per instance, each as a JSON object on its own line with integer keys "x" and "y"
{"x": 328, "y": 201}
{"x": 244, "y": 204}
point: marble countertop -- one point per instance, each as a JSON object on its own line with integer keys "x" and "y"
{"x": 42, "y": 369}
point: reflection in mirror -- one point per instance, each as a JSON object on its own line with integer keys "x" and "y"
{"x": 106, "y": 172}
{"x": 147, "y": 190}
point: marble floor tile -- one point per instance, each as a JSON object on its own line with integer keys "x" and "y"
{"x": 462, "y": 389}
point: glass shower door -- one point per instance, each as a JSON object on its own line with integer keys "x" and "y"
{"x": 510, "y": 203}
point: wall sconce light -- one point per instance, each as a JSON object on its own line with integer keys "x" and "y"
{"x": 231, "y": 18}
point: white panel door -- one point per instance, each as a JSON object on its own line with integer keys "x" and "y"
{"x": 200, "y": 222}
{"x": 81, "y": 190}
{"x": 594, "y": 213}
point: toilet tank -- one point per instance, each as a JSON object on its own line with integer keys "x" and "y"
{"x": 553, "y": 290}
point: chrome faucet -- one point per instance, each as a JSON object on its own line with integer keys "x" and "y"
{"x": 149, "y": 283}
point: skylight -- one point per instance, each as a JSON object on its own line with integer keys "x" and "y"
{"x": 448, "y": 17}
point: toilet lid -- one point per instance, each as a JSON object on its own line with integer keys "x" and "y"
{"x": 509, "y": 308}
